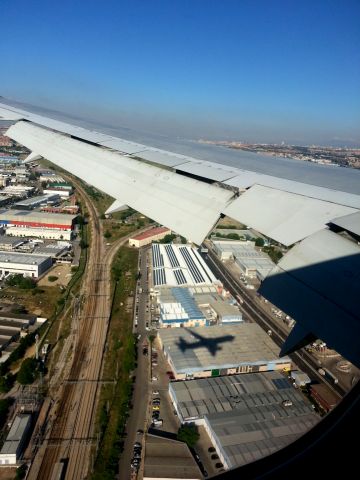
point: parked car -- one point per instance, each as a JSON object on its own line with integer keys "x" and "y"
{"x": 157, "y": 423}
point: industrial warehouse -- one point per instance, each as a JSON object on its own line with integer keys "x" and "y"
{"x": 34, "y": 202}
{"x": 194, "y": 399}
{"x": 167, "y": 458}
{"x": 157, "y": 233}
{"x": 243, "y": 436}
{"x": 253, "y": 263}
{"x": 195, "y": 307}
{"x": 179, "y": 265}
{"x": 16, "y": 440}
{"x": 27, "y": 265}
{"x": 11, "y": 324}
{"x": 37, "y": 224}
{"x": 265, "y": 404}
{"x": 220, "y": 350}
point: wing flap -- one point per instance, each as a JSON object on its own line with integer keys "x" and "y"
{"x": 183, "y": 204}
{"x": 283, "y": 216}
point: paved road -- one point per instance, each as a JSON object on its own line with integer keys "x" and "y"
{"x": 137, "y": 419}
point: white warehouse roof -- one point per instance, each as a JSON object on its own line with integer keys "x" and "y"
{"x": 179, "y": 265}
{"x": 22, "y": 258}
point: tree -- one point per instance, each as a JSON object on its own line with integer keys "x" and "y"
{"x": 259, "y": 242}
{"x": 28, "y": 371}
{"x": 6, "y": 382}
{"x": 116, "y": 271}
{"x": 107, "y": 234}
{"x": 83, "y": 244}
{"x": 233, "y": 236}
{"x": 168, "y": 238}
{"x": 4, "y": 409}
{"x": 17, "y": 280}
{"x": 52, "y": 278}
{"x": 21, "y": 472}
{"x": 188, "y": 434}
{"x": 183, "y": 239}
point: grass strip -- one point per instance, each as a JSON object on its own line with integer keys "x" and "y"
{"x": 119, "y": 363}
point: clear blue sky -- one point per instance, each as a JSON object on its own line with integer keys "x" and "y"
{"x": 251, "y": 70}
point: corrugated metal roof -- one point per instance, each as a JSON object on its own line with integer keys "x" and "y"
{"x": 170, "y": 199}
{"x": 196, "y": 398}
{"x": 216, "y": 347}
{"x": 282, "y": 216}
{"x": 169, "y": 459}
{"x": 244, "y": 437}
{"x": 22, "y": 258}
{"x": 15, "y": 436}
{"x": 41, "y": 217}
{"x": 151, "y": 233}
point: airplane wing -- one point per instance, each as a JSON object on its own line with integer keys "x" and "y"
{"x": 189, "y": 195}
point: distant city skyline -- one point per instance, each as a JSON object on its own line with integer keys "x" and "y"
{"x": 248, "y": 71}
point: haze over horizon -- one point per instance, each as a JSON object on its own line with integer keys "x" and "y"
{"x": 246, "y": 71}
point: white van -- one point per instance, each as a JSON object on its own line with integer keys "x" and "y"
{"x": 157, "y": 422}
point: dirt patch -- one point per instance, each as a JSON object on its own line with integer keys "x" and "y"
{"x": 62, "y": 272}
{"x": 41, "y": 303}
{"x": 226, "y": 221}
{"x": 7, "y": 473}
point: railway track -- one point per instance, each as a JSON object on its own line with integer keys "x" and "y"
{"x": 71, "y": 433}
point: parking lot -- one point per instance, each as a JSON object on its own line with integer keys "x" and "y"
{"x": 170, "y": 421}
{"x": 159, "y": 405}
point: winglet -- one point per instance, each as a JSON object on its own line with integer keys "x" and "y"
{"x": 32, "y": 157}
{"x": 117, "y": 206}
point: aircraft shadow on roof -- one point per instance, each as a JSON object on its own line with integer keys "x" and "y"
{"x": 211, "y": 344}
